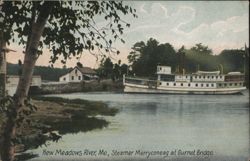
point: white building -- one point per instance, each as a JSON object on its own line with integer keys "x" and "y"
{"x": 12, "y": 82}
{"x": 78, "y": 74}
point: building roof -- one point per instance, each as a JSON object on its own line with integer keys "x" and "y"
{"x": 86, "y": 70}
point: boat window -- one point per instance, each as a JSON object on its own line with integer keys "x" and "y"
{"x": 196, "y": 85}
{"x": 189, "y": 84}
{"x": 207, "y": 85}
{"x": 181, "y": 84}
{"x": 174, "y": 84}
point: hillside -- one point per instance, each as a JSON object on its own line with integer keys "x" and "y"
{"x": 47, "y": 73}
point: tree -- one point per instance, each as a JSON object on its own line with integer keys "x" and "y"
{"x": 201, "y": 49}
{"x": 106, "y": 68}
{"x": 2, "y": 66}
{"x": 181, "y": 59}
{"x": 67, "y": 28}
{"x": 135, "y": 54}
{"x": 78, "y": 64}
{"x": 146, "y": 56}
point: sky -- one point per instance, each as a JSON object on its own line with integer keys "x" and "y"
{"x": 217, "y": 24}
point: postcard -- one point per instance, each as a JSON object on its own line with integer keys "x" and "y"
{"x": 124, "y": 81}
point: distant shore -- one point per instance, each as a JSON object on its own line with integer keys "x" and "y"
{"x": 83, "y": 86}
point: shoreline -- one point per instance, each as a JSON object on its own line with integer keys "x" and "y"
{"x": 57, "y": 116}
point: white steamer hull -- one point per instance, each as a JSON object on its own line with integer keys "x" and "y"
{"x": 144, "y": 89}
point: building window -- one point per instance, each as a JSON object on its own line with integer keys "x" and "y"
{"x": 186, "y": 76}
{"x": 196, "y": 85}
{"x": 219, "y": 85}
{"x": 200, "y": 77}
{"x": 79, "y": 77}
{"x": 189, "y": 84}
{"x": 195, "y": 77}
{"x": 212, "y": 77}
{"x": 76, "y": 71}
{"x": 207, "y": 85}
{"x": 225, "y": 84}
{"x": 64, "y": 79}
{"x": 72, "y": 78}
{"x": 212, "y": 85}
{"x": 202, "y": 85}
{"x": 204, "y": 77}
{"x": 208, "y": 77}
{"x": 230, "y": 84}
{"x": 167, "y": 84}
{"x": 216, "y": 77}
{"x": 235, "y": 84}
{"x": 174, "y": 84}
{"x": 220, "y": 76}
{"x": 181, "y": 84}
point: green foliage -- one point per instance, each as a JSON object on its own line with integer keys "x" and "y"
{"x": 46, "y": 73}
{"x": 201, "y": 49}
{"x": 146, "y": 56}
{"x": 71, "y": 27}
{"x": 108, "y": 69}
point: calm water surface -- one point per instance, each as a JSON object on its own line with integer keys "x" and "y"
{"x": 147, "y": 122}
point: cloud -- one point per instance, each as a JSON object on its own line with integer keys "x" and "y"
{"x": 229, "y": 33}
{"x": 234, "y": 24}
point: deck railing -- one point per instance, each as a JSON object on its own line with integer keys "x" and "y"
{"x": 138, "y": 81}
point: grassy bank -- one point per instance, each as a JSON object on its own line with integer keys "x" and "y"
{"x": 63, "y": 116}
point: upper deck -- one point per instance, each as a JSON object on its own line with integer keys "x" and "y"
{"x": 164, "y": 74}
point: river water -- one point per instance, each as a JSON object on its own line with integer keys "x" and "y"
{"x": 161, "y": 127}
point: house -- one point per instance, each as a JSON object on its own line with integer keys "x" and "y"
{"x": 78, "y": 74}
{"x": 12, "y": 82}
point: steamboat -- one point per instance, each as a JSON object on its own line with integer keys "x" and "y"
{"x": 201, "y": 82}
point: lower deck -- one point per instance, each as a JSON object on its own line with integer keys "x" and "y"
{"x": 134, "y": 85}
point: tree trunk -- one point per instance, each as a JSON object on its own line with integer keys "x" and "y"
{"x": 2, "y": 66}
{"x": 31, "y": 55}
